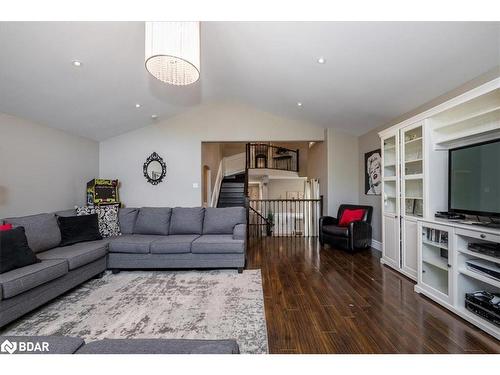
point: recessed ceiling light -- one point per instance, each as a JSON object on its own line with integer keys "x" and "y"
{"x": 299, "y": 104}
{"x": 76, "y": 63}
{"x": 154, "y": 117}
{"x": 321, "y": 60}
{"x": 137, "y": 105}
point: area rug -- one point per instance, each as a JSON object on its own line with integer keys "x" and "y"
{"x": 158, "y": 304}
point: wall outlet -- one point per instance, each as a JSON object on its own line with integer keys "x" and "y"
{"x": 196, "y": 185}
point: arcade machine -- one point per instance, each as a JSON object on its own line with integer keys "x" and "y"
{"x": 101, "y": 192}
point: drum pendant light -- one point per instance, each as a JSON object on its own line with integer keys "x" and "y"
{"x": 172, "y": 51}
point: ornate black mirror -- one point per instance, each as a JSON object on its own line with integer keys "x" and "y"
{"x": 154, "y": 169}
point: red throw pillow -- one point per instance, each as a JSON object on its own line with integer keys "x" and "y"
{"x": 348, "y": 216}
{"x": 5, "y": 227}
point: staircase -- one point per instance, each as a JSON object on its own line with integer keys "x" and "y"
{"x": 232, "y": 191}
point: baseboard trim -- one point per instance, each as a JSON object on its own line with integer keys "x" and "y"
{"x": 377, "y": 245}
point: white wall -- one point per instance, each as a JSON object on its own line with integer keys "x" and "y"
{"x": 369, "y": 142}
{"x": 343, "y": 164}
{"x": 277, "y": 188}
{"x": 42, "y": 169}
{"x": 317, "y": 168}
{"x": 178, "y": 141}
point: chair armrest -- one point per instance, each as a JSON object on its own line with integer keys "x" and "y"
{"x": 360, "y": 233}
{"x": 240, "y": 232}
{"x": 327, "y": 220}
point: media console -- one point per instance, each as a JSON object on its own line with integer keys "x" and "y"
{"x": 455, "y": 261}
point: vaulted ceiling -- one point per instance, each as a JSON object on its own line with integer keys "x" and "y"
{"x": 374, "y": 72}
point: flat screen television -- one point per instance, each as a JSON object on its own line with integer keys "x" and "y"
{"x": 474, "y": 179}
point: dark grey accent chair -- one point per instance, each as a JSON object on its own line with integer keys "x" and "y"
{"x": 357, "y": 235}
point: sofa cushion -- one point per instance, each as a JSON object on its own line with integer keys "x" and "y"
{"x": 153, "y": 220}
{"x": 14, "y": 250}
{"x": 223, "y": 220}
{"x": 79, "y": 254}
{"x": 160, "y": 346}
{"x": 25, "y": 278}
{"x": 46, "y": 344}
{"x": 5, "y": 227}
{"x": 42, "y": 230}
{"x": 187, "y": 220}
{"x": 348, "y": 216}
{"x": 217, "y": 244}
{"x": 173, "y": 244}
{"x": 335, "y": 230}
{"x": 132, "y": 243}
{"x": 75, "y": 229}
{"x": 127, "y": 218}
{"x": 66, "y": 213}
{"x": 107, "y": 217}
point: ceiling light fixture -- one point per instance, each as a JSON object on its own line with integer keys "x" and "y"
{"x": 172, "y": 51}
{"x": 154, "y": 117}
{"x": 299, "y": 104}
{"x": 137, "y": 105}
{"x": 321, "y": 60}
{"x": 76, "y": 63}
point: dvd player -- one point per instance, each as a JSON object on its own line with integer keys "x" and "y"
{"x": 484, "y": 267}
{"x": 491, "y": 249}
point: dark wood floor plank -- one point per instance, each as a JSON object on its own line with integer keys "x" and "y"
{"x": 324, "y": 300}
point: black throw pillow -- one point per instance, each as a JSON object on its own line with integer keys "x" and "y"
{"x": 14, "y": 250}
{"x": 76, "y": 229}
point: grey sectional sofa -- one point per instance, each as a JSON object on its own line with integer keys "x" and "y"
{"x": 179, "y": 238}
{"x": 151, "y": 238}
{"x": 60, "y": 269}
{"x": 76, "y": 345}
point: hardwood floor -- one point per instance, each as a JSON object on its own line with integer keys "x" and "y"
{"x": 324, "y": 300}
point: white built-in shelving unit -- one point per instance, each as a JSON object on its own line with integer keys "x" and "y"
{"x": 415, "y": 187}
{"x": 443, "y": 272}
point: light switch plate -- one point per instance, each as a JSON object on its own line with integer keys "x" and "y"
{"x": 195, "y": 185}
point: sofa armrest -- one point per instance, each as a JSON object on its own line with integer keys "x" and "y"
{"x": 240, "y": 232}
{"x": 360, "y": 234}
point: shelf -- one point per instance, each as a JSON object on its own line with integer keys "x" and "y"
{"x": 472, "y": 119}
{"x": 479, "y": 255}
{"x": 413, "y": 140}
{"x": 442, "y": 264}
{"x": 416, "y": 198}
{"x": 478, "y": 106}
{"x": 413, "y": 161}
{"x": 389, "y": 148}
{"x": 491, "y": 328}
{"x": 435, "y": 244}
{"x": 389, "y": 165}
{"x": 416, "y": 176}
{"x": 391, "y": 178}
{"x": 414, "y": 216}
{"x": 478, "y": 276}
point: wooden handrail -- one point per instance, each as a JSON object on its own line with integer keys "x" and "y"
{"x": 260, "y": 215}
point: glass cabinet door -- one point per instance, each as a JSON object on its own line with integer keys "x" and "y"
{"x": 390, "y": 174}
{"x": 435, "y": 260}
{"x": 412, "y": 170}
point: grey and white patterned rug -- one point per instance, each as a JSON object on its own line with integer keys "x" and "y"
{"x": 158, "y": 304}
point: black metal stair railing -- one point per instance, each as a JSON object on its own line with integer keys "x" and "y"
{"x": 263, "y": 155}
